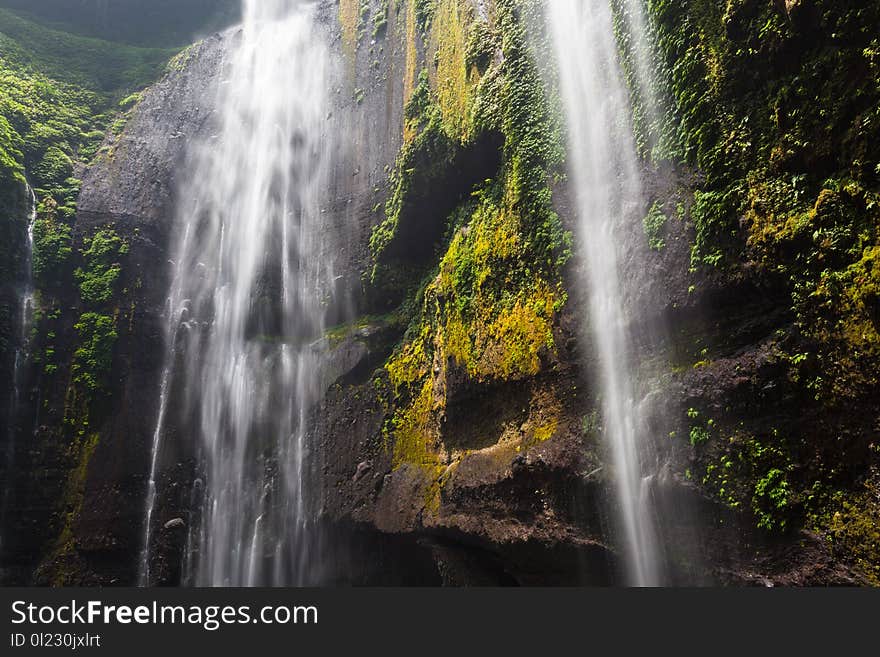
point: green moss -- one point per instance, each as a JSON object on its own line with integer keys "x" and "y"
{"x": 82, "y": 61}
{"x": 454, "y": 80}
{"x": 380, "y": 20}
{"x": 410, "y": 364}
{"x": 482, "y": 43}
{"x": 421, "y": 164}
{"x": 97, "y": 278}
{"x": 424, "y": 13}
{"x": 93, "y": 359}
{"x": 54, "y": 168}
{"x": 851, "y": 524}
{"x": 488, "y": 308}
{"x": 362, "y": 327}
{"x": 776, "y": 106}
{"x": 411, "y": 431}
{"x": 181, "y": 60}
{"x": 52, "y": 247}
{"x": 494, "y": 321}
{"x": 547, "y": 430}
{"x": 654, "y": 225}
{"x": 827, "y": 252}
{"x": 713, "y": 214}
{"x": 64, "y": 548}
{"x": 130, "y": 101}
{"x": 758, "y": 94}
{"x": 58, "y": 95}
{"x": 11, "y": 156}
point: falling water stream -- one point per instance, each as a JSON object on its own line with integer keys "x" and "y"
{"x": 251, "y": 287}
{"x": 252, "y": 280}
{"x": 26, "y": 310}
{"x": 604, "y": 174}
{"x": 22, "y": 355}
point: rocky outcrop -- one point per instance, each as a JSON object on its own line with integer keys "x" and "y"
{"x": 530, "y": 501}
{"x": 79, "y": 487}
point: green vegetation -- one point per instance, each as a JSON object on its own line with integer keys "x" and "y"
{"x": 11, "y": 157}
{"x": 94, "y": 358}
{"x": 748, "y": 472}
{"x": 97, "y": 279}
{"x": 153, "y": 23}
{"x": 776, "y": 107}
{"x": 52, "y": 248}
{"x": 851, "y": 524}
{"x": 760, "y": 93}
{"x": 772, "y": 110}
{"x": 60, "y": 95}
{"x": 654, "y": 225}
{"x": 487, "y": 309}
{"x": 89, "y": 63}
{"x": 380, "y": 20}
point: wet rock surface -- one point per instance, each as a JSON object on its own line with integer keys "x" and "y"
{"x": 520, "y": 504}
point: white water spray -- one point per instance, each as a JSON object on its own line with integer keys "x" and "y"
{"x": 637, "y": 25}
{"x": 22, "y": 355}
{"x": 604, "y": 175}
{"x": 26, "y": 303}
{"x": 252, "y": 281}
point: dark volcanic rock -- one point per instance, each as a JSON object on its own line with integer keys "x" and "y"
{"x": 94, "y": 496}
{"x": 135, "y": 183}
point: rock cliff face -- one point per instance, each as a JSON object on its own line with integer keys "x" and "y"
{"x": 79, "y": 485}
{"x": 458, "y": 442}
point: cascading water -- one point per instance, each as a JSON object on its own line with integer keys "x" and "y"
{"x": 604, "y": 174}
{"x": 22, "y": 354}
{"x": 251, "y": 289}
{"x": 26, "y": 307}
{"x": 633, "y": 19}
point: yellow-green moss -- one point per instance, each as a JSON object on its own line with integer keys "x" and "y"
{"x": 830, "y": 254}
{"x": 415, "y": 443}
{"x": 855, "y": 300}
{"x": 410, "y": 363}
{"x": 487, "y": 310}
{"x": 411, "y": 431}
{"x": 510, "y": 344}
{"x": 851, "y": 524}
{"x": 80, "y": 453}
{"x": 349, "y": 21}
{"x": 494, "y": 322}
{"x": 451, "y": 78}
{"x": 856, "y": 529}
{"x": 409, "y": 71}
{"x": 546, "y": 431}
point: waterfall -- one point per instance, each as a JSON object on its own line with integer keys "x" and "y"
{"x": 22, "y": 354}
{"x": 635, "y": 22}
{"x": 251, "y": 288}
{"x": 26, "y": 307}
{"x": 604, "y": 174}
